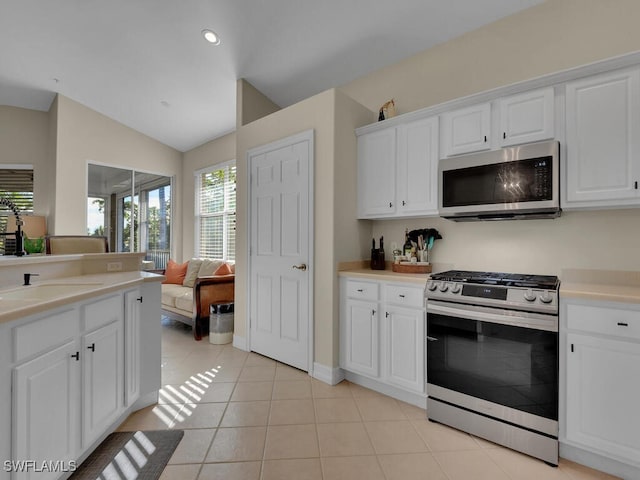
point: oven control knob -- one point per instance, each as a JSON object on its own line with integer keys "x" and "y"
{"x": 444, "y": 287}
{"x": 431, "y": 285}
{"x": 455, "y": 288}
{"x": 546, "y": 297}
{"x": 529, "y": 296}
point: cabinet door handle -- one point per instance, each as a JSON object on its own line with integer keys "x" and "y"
{"x": 373, "y": 312}
{"x": 386, "y": 314}
{"x": 404, "y": 203}
{"x": 485, "y": 139}
{"x": 504, "y": 135}
{"x": 76, "y": 356}
{"x": 401, "y": 296}
{"x": 360, "y": 290}
{"x": 390, "y": 204}
{"x": 572, "y": 348}
{"x": 635, "y": 184}
{"x": 623, "y": 324}
{"x": 92, "y": 347}
{"x": 139, "y": 299}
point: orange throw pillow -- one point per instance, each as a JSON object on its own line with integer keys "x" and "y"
{"x": 223, "y": 269}
{"x": 175, "y": 272}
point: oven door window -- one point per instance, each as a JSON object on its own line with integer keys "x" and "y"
{"x": 512, "y": 366}
{"x": 518, "y": 181}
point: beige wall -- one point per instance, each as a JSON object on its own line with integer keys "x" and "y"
{"x": 315, "y": 113}
{"x": 251, "y": 104}
{"x": 554, "y": 36}
{"x": 557, "y": 35}
{"x": 24, "y": 140}
{"x": 84, "y": 136}
{"x": 351, "y": 236}
{"x": 214, "y": 152}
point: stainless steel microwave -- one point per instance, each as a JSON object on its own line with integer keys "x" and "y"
{"x": 508, "y": 184}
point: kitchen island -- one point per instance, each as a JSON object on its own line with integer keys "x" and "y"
{"x": 80, "y": 349}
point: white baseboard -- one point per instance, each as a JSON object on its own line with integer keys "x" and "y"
{"x": 240, "y": 342}
{"x": 598, "y": 461}
{"x": 417, "y": 399}
{"x": 329, "y": 375}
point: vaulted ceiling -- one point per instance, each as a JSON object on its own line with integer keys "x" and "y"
{"x": 145, "y": 63}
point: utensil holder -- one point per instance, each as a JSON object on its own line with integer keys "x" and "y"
{"x": 377, "y": 259}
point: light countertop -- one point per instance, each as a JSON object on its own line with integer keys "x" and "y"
{"x": 604, "y": 285}
{"x": 11, "y": 309}
{"x": 388, "y": 275}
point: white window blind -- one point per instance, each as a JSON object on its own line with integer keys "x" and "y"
{"x": 16, "y": 184}
{"x": 216, "y": 212}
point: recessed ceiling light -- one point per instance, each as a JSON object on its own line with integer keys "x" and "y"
{"x": 211, "y": 36}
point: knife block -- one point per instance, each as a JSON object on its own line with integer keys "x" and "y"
{"x": 377, "y": 259}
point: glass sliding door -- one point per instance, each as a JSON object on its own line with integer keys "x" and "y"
{"x": 132, "y": 209}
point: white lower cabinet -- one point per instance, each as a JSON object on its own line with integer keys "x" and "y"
{"x": 404, "y": 332}
{"x": 71, "y": 377}
{"x": 361, "y": 327}
{"x": 102, "y": 380}
{"x": 602, "y": 381}
{"x": 382, "y": 332}
{"x": 45, "y": 409}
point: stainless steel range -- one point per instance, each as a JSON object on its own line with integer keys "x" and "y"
{"x": 492, "y": 357}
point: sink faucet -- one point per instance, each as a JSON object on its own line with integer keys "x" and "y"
{"x": 18, "y": 233}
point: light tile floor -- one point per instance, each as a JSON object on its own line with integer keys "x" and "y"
{"x": 247, "y": 417}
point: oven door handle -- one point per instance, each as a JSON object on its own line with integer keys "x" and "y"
{"x": 495, "y": 315}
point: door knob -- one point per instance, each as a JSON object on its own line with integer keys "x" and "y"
{"x": 302, "y": 267}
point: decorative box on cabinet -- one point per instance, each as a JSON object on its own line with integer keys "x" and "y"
{"x": 603, "y": 140}
{"x": 600, "y": 391}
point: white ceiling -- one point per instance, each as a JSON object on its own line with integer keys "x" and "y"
{"x": 125, "y": 58}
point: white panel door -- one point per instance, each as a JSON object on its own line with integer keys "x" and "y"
{"x": 280, "y": 249}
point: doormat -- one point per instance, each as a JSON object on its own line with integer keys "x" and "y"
{"x": 130, "y": 455}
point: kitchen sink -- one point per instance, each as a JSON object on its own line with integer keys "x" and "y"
{"x": 47, "y": 291}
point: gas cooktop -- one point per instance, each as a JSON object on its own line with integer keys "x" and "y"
{"x": 546, "y": 282}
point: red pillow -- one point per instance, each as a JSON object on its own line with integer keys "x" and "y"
{"x": 175, "y": 272}
{"x": 223, "y": 269}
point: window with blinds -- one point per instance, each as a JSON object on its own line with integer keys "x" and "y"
{"x": 216, "y": 212}
{"x": 16, "y": 184}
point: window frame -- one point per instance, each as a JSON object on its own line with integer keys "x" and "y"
{"x": 5, "y": 212}
{"x": 224, "y": 214}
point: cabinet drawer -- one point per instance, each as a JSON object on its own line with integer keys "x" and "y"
{"x": 604, "y": 320}
{"x": 45, "y": 334}
{"x": 102, "y": 312}
{"x": 362, "y": 290}
{"x": 404, "y": 295}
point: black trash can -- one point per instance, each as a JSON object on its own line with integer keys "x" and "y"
{"x": 221, "y": 323}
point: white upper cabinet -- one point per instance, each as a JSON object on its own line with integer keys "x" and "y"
{"x": 417, "y": 185}
{"x": 398, "y": 170}
{"x": 603, "y": 135}
{"x": 526, "y": 117}
{"x": 466, "y": 130}
{"x": 377, "y": 173}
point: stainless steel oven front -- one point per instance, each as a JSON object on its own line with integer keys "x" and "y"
{"x": 493, "y": 372}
